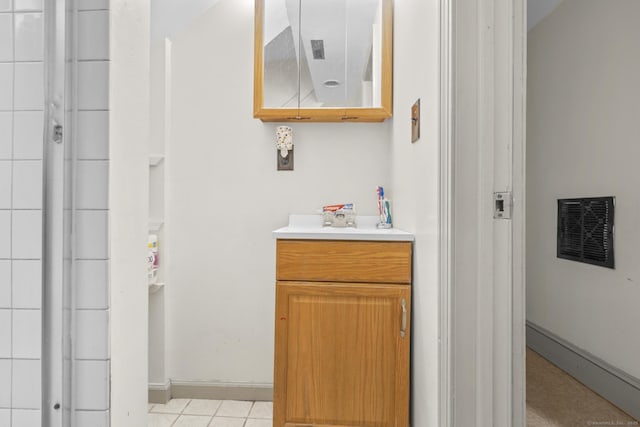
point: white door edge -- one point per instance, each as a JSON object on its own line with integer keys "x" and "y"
{"x": 518, "y": 400}
{"x": 482, "y": 266}
{"x": 446, "y": 128}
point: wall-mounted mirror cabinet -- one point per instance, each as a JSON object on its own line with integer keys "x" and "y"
{"x": 323, "y": 60}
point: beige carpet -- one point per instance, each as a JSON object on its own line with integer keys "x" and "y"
{"x": 555, "y": 399}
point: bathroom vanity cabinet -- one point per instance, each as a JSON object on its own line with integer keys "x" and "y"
{"x": 342, "y": 333}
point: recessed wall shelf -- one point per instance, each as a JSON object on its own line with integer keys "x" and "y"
{"x": 155, "y": 159}
{"x": 155, "y": 224}
{"x": 160, "y": 117}
{"x": 155, "y": 287}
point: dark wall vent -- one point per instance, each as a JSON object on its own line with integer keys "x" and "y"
{"x": 585, "y": 230}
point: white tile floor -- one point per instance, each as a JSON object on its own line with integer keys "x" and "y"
{"x": 210, "y": 413}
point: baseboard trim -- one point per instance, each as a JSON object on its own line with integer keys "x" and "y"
{"x": 620, "y": 388}
{"x": 159, "y": 393}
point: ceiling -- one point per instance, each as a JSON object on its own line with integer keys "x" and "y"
{"x": 537, "y": 10}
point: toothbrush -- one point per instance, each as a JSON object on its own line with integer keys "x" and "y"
{"x": 380, "y": 192}
{"x": 388, "y": 211}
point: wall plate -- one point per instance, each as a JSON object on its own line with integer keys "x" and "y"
{"x": 415, "y": 121}
{"x": 285, "y": 163}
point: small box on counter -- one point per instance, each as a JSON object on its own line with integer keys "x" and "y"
{"x": 340, "y": 215}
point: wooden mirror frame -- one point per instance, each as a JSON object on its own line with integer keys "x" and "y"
{"x": 329, "y": 114}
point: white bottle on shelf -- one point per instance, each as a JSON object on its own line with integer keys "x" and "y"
{"x": 152, "y": 258}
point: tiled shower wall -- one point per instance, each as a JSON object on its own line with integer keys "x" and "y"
{"x": 21, "y": 153}
{"x": 21, "y": 188}
{"x": 92, "y": 356}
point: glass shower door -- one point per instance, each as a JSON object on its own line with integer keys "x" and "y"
{"x": 34, "y": 236}
{"x": 34, "y": 279}
{"x": 54, "y": 250}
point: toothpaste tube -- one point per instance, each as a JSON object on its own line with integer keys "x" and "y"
{"x": 335, "y": 208}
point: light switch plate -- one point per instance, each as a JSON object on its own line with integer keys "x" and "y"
{"x": 415, "y": 121}
{"x": 285, "y": 163}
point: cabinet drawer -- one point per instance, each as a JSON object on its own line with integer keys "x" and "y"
{"x": 344, "y": 261}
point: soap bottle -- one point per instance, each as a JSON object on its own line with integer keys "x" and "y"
{"x": 152, "y": 258}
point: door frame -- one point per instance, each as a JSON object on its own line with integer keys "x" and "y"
{"x": 57, "y": 326}
{"x": 482, "y": 262}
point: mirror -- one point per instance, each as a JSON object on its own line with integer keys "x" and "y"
{"x": 323, "y": 60}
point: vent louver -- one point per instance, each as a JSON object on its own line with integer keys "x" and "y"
{"x": 585, "y": 230}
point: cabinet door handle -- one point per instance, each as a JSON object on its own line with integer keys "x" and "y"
{"x": 403, "y": 328}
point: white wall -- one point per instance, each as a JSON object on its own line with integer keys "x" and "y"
{"x": 224, "y": 197}
{"x": 168, "y": 17}
{"x": 583, "y": 127}
{"x": 415, "y": 169}
{"x": 537, "y": 10}
{"x": 129, "y": 203}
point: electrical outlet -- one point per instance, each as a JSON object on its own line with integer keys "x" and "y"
{"x": 285, "y": 163}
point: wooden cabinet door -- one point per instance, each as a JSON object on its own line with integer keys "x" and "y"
{"x": 342, "y": 357}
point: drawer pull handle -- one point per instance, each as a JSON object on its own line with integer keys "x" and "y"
{"x": 403, "y": 328}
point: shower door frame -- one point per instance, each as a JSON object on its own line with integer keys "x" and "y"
{"x": 58, "y": 190}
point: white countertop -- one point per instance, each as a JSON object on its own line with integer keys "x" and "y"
{"x": 310, "y": 227}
